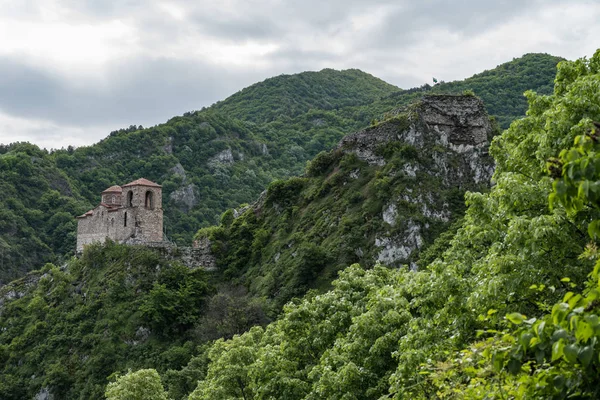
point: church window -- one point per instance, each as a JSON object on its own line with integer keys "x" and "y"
{"x": 149, "y": 200}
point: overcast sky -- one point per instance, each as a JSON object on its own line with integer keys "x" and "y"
{"x": 71, "y": 71}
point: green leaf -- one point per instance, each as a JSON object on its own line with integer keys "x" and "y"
{"x": 585, "y": 355}
{"x": 557, "y": 349}
{"x": 559, "y": 312}
{"x": 570, "y": 352}
{"x": 525, "y": 339}
{"x": 498, "y": 361}
{"x": 539, "y": 356}
{"x": 514, "y": 366}
{"x": 560, "y": 334}
{"x": 515, "y": 318}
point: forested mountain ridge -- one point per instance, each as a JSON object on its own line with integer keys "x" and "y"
{"x": 292, "y": 95}
{"x": 502, "y": 306}
{"x": 209, "y": 161}
{"x": 383, "y": 195}
{"x": 508, "y": 309}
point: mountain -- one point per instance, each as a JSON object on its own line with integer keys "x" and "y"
{"x": 507, "y": 308}
{"x": 218, "y": 158}
{"x": 37, "y": 204}
{"x": 501, "y": 88}
{"x": 501, "y": 305}
{"x": 289, "y": 96}
{"x": 382, "y": 195}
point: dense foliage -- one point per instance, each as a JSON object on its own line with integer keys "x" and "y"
{"x": 306, "y": 229}
{"x": 501, "y": 88}
{"x": 379, "y": 332}
{"x": 37, "y": 205}
{"x": 117, "y": 307}
{"x": 217, "y": 158}
{"x": 393, "y": 333}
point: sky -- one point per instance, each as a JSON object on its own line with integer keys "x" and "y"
{"x": 72, "y": 71}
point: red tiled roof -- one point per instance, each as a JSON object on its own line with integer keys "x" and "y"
{"x": 87, "y": 214}
{"x": 114, "y": 189}
{"x": 142, "y": 182}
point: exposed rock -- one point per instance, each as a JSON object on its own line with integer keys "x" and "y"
{"x": 185, "y": 197}
{"x": 44, "y": 394}
{"x": 449, "y": 136}
{"x": 168, "y": 147}
{"x": 410, "y": 170}
{"x": 459, "y": 124}
{"x": 318, "y": 122}
{"x": 400, "y": 247}
{"x": 264, "y": 150}
{"x": 224, "y": 157}
{"x": 142, "y": 334}
{"x": 237, "y": 212}
{"x": 179, "y": 171}
{"x": 59, "y": 183}
{"x": 390, "y": 213}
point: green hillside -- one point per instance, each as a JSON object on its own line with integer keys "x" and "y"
{"x": 509, "y": 310}
{"x": 121, "y": 307}
{"x": 501, "y": 89}
{"x": 504, "y": 304}
{"x": 226, "y": 155}
{"x": 289, "y": 96}
{"x": 37, "y": 205}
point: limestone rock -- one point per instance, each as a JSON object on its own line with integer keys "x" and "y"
{"x": 224, "y": 157}
{"x": 185, "y": 197}
{"x": 179, "y": 171}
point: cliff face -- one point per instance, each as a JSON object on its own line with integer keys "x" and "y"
{"x": 448, "y": 137}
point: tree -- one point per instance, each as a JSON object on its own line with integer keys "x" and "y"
{"x": 144, "y": 384}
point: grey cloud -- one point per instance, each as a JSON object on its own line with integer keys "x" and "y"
{"x": 141, "y": 91}
{"x": 152, "y": 88}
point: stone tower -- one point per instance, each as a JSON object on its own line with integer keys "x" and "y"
{"x": 142, "y": 211}
{"x": 129, "y": 214}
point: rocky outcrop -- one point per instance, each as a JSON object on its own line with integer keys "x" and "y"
{"x": 458, "y": 124}
{"x": 184, "y": 197}
{"x": 445, "y": 140}
{"x": 224, "y": 157}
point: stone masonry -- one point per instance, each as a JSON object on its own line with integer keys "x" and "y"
{"x": 130, "y": 214}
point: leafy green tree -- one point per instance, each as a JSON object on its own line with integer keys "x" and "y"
{"x": 144, "y": 384}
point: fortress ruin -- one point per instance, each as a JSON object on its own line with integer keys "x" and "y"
{"x": 130, "y": 214}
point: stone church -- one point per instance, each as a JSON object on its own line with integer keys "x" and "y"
{"x": 130, "y": 214}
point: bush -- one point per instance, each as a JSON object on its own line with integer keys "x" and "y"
{"x": 144, "y": 384}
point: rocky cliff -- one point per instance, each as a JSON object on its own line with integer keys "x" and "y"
{"x": 382, "y": 196}
{"x": 448, "y": 137}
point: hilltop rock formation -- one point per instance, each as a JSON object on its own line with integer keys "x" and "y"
{"x": 446, "y": 139}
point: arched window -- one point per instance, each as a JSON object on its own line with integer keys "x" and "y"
{"x": 149, "y": 200}
{"x": 125, "y": 219}
{"x": 130, "y": 199}
{"x": 112, "y": 199}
